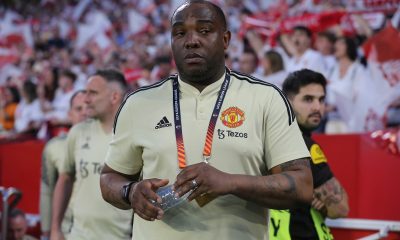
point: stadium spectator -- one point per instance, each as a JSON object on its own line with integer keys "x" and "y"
{"x": 8, "y": 102}
{"x": 302, "y": 55}
{"x": 57, "y": 113}
{"x": 273, "y": 70}
{"x": 343, "y": 87}
{"x": 47, "y": 79}
{"x": 28, "y": 115}
{"x": 324, "y": 44}
{"x": 18, "y": 226}
{"x": 162, "y": 68}
{"x": 248, "y": 62}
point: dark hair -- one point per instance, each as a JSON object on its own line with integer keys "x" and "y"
{"x": 249, "y": 50}
{"x": 74, "y": 95}
{"x": 15, "y": 212}
{"x": 15, "y": 94}
{"x": 69, "y": 74}
{"x": 217, "y": 9}
{"x": 303, "y": 29}
{"x": 328, "y": 35}
{"x": 113, "y": 75}
{"x": 298, "y": 79}
{"x": 351, "y": 47}
{"x": 50, "y": 90}
{"x": 29, "y": 89}
{"x": 275, "y": 60}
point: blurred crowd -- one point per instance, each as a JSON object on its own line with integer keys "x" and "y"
{"x": 49, "y": 47}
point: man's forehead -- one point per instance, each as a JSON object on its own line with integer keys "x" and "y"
{"x": 312, "y": 89}
{"x": 201, "y": 11}
{"x": 96, "y": 79}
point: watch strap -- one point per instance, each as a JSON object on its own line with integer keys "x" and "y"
{"x": 126, "y": 189}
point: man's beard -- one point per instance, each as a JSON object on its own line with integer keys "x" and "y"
{"x": 195, "y": 75}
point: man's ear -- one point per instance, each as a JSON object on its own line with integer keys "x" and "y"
{"x": 115, "y": 97}
{"x": 227, "y": 39}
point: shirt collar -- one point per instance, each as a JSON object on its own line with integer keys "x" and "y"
{"x": 210, "y": 89}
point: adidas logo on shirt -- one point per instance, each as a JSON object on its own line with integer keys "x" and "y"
{"x": 163, "y": 123}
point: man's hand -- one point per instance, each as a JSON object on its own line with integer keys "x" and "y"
{"x": 61, "y": 196}
{"x": 317, "y": 204}
{"x": 140, "y": 196}
{"x": 204, "y": 179}
{"x": 333, "y": 199}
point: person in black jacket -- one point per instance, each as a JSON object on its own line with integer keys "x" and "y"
{"x": 306, "y": 91}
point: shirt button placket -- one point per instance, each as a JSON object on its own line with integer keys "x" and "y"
{"x": 200, "y": 108}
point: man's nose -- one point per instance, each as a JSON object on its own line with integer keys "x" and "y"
{"x": 316, "y": 105}
{"x": 192, "y": 40}
{"x": 87, "y": 99}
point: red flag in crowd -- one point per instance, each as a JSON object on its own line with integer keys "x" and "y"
{"x": 315, "y": 22}
{"x": 132, "y": 75}
{"x": 383, "y": 86}
{"x": 7, "y": 56}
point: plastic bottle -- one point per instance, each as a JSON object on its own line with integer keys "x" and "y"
{"x": 169, "y": 200}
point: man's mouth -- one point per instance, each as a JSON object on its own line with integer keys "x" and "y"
{"x": 192, "y": 55}
{"x": 315, "y": 115}
{"x": 193, "y": 58}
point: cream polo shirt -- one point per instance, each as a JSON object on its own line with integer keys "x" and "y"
{"x": 52, "y": 158}
{"x": 93, "y": 218}
{"x": 255, "y": 131}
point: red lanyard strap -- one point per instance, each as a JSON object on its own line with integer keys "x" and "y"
{"x": 211, "y": 126}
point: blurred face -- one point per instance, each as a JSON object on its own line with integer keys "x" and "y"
{"x": 248, "y": 63}
{"x": 309, "y": 106}
{"x": 17, "y": 228}
{"x": 301, "y": 40}
{"x": 40, "y": 90}
{"x": 323, "y": 45}
{"x": 266, "y": 64}
{"x": 98, "y": 97}
{"x": 78, "y": 111}
{"x": 8, "y": 97}
{"x": 340, "y": 49}
{"x": 198, "y": 42}
{"x": 47, "y": 76}
{"x": 65, "y": 83}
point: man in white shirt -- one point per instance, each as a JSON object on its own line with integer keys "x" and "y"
{"x": 302, "y": 55}
{"x": 248, "y": 62}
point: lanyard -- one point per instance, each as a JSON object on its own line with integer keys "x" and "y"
{"x": 211, "y": 126}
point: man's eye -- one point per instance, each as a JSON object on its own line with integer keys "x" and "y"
{"x": 307, "y": 99}
{"x": 204, "y": 31}
{"x": 179, "y": 33}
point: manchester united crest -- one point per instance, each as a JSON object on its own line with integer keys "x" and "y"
{"x": 232, "y": 117}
